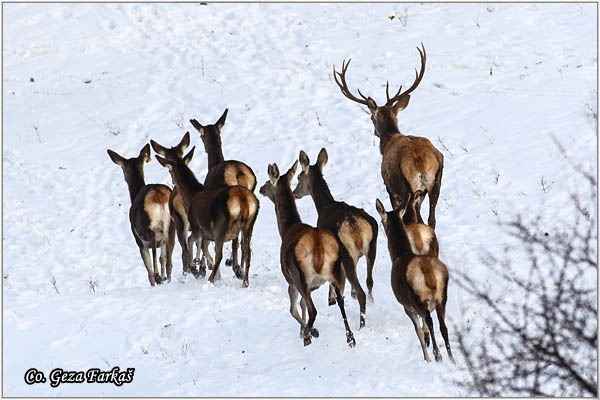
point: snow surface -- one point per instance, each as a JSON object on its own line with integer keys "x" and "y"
{"x": 501, "y": 79}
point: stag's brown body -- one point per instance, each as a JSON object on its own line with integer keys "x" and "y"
{"x": 410, "y": 164}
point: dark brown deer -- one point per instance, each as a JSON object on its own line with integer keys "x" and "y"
{"x": 178, "y": 208}
{"x": 309, "y": 256}
{"x": 410, "y": 163}
{"x": 353, "y": 227}
{"x": 223, "y": 173}
{"x": 218, "y": 215}
{"x": 420, "y": 283}
{"x": 149, "y": 215}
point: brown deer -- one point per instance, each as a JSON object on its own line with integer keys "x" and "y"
{"x": 149, "y": 215}
{"x": 218, "y": 215}
{"x": 422, "y": 238}
{"x": 178, "y": 208}
{"x": 353, "y": 227}
{"x": 409, "y": 163}
{"x": 309, "y": 256}
{"x": 420, "y": 283}
{"x": 223, "y": 173}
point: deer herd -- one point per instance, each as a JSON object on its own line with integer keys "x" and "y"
{"x": 224, "y": 208}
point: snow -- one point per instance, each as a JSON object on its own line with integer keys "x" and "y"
{"x": 501, "y": 81}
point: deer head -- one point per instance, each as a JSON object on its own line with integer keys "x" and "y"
{"x": 392, "y": 220}
{"x": 172, "y": 165}
{"x": 211, "y": 134}
{"x": 384, "y": 117}
{"x": 305, "y": 179}
{"x": 269, "y": 189}
{"x": 174, "y": 153}
{"x": 133, "y": 168}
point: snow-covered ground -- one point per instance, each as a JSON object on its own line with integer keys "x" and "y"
{"x": 501, "y": 79}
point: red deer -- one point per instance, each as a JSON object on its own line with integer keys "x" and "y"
{"x": 149, "y": 215}
{"x": 218, "y": 215}
{"x": 223, "y": 173}
{"x": 420, "y": 283}
{"x": 409, "y": 163}
{"x": 353, "y": 227}
{"x": 177, "y": 206}
{"x": 309, "y": 256}
{"x": 422, "y": 238}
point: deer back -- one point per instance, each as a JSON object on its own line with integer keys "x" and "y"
{"x": 231, "y": 173}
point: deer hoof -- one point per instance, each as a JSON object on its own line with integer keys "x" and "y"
{"x": 314, "y": 332}
{"x": 371, "y": 297}
{"x": 332, "y": 302}
{"x": 158, "y": 279}
{"x": 438, "y": 357}
{"x": 350, "y": 339}
{"x": 362, "y": 321}
{"x": 353, "y": 294}
{"x": 238, "y": 272}
{"x": 229, "y": 262}
{"x": 307, "y": 341}
{"x": 427, "y": 340}
{"x": 246, "y": 283}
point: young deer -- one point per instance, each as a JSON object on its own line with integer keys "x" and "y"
{"x": 223, "y": 173}
{"x": 218, "y": 215}
{"x": 178, "y": 209}
{"x": 420, "y": 283}
{"x": 309, "y": 256}
{"x": 352, "y": 226}
{"x": 149, "y": 215}
{"x": 410, "y": 164}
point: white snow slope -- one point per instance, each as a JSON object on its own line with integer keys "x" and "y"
{"x": 501, "y": 79}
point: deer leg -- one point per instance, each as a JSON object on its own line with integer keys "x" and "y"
{"x": 163, "y": 261}
{"x": 434, "y": 194}
{"x": 193, "y": 238}
{"x": 293, "y": 293}
{"x": 425, "y": 333}
{"x": 246, "y": 253}
{"x": 170, "y": 247}
{"x": 148, "y": 264}
{"x": 235, "y": 243}
{"x": 436, "y": 350}
{"x": 349, "y": 335}
{"x": 331, "y": 295}
{"x": 419, "y": 197}
{"x": 415, "y": 320}
{"x": 181, "y": 237}
{"x": 209, "y": 260}
{"x": 441, "y": 314}
{"x": 157, "y": 277}
{"x": 303, "y": 307}
{"x": 350, "y": 270}
{"x": 312, "y": 315}
{"x": 370, "y": 263}
{"x": 218, "y": 257}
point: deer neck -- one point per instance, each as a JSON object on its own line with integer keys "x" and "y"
{"x": 135, "y": 184}
{"x": 398, "y": 242}
{"x": 215, "y": 155}
{"x": 386, "y": 136}
{"x": 286, "y": 210}
{"x": 186, "y": 182}
{"x": 319, "y": 191}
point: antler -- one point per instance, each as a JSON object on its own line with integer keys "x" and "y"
{"x": 419, "y": 76}
{"x": 344, "y": 86}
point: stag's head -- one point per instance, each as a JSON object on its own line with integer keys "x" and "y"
{"x": 210, "y": 134}
{"x": 384, "y": 117}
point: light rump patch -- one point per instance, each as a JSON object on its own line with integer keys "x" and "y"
{"x": 239, "y": 175}
{"x": 156, "y": 205}
{"x": 420, "y": 237}
{"x": 427, "y": 277}
{"x": 355, "y": 237}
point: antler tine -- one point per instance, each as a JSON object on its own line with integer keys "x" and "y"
{"x": 344, "y": 85}
{"x": 418, "y": 77}
{"x": 387, "y": 93}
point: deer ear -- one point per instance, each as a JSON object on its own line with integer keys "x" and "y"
{"x": 188, "y": 156}
{"x": 185, "y": 142}
{"x": 197, "y": 125}
{"x": 221, "y": 120}
{"x": 158, "y": 148}
{"x": 273, "y": 171}
{"x": 322, "y": 159}
{"x": 145, "y": 153}
{"x": 164, "y": 162}
{"x": 401, "y": 104}
{"x": 117, "y": 159}
{"x": 304, "y": 161}
{"x": 292, "y": 171}
{"x": 372, "y": 105}
{"x": 380, "y": 210}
